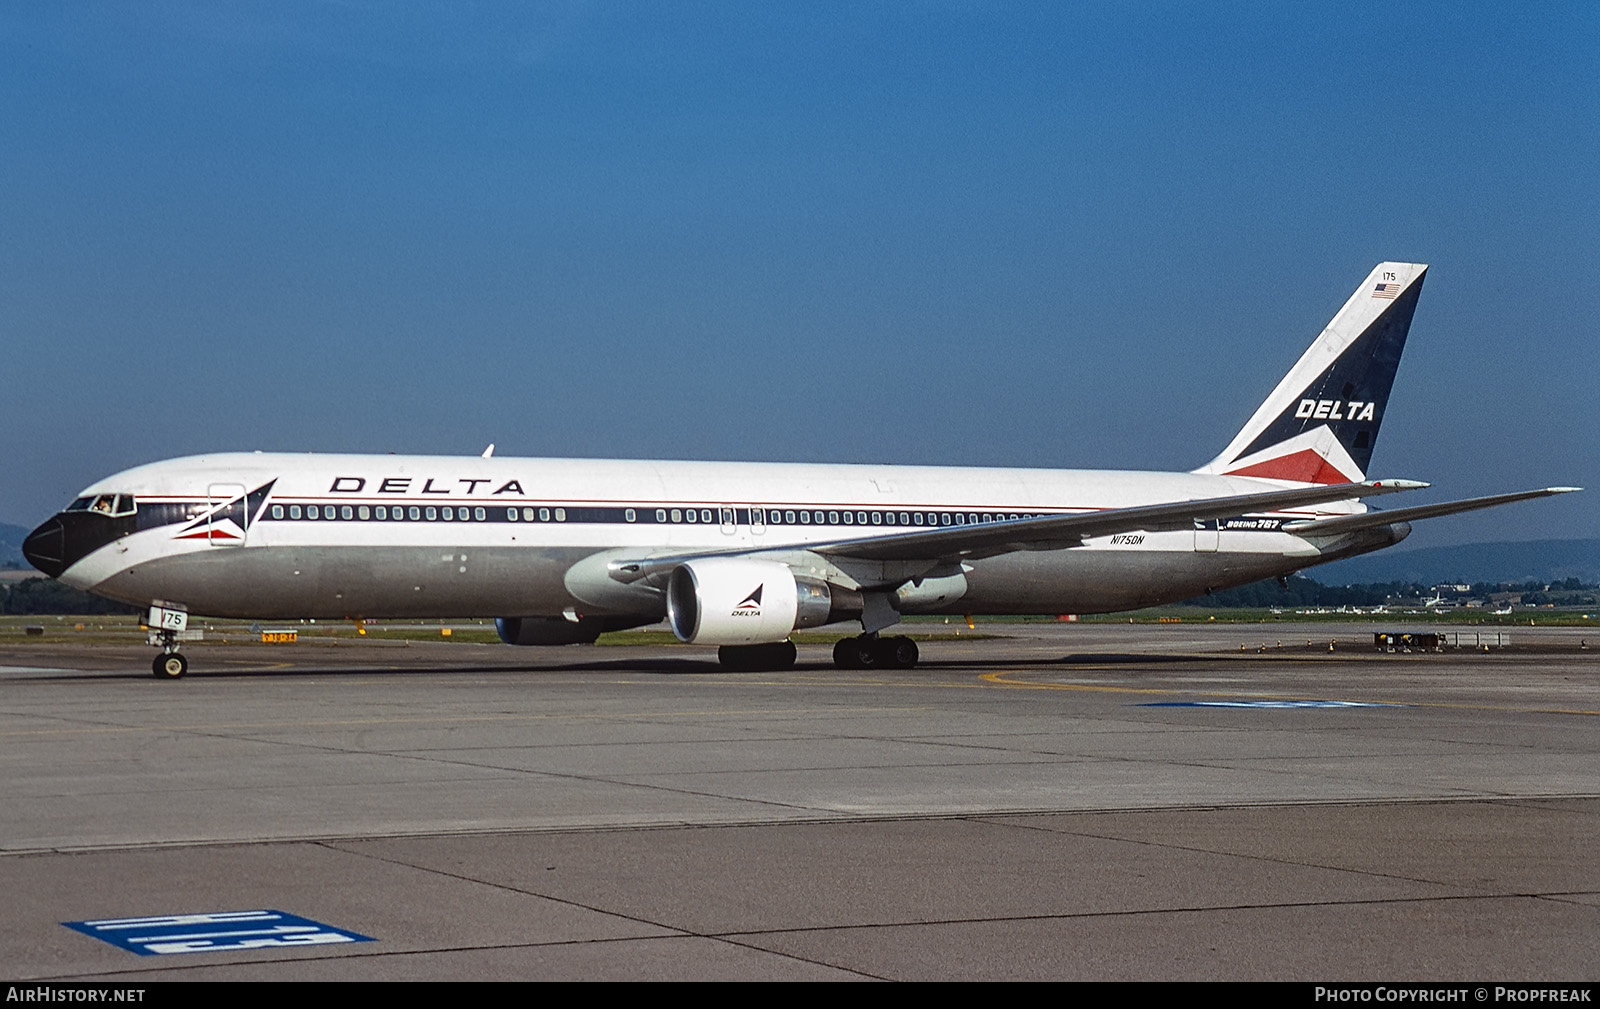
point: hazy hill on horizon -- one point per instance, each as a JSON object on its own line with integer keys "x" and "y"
{"x": 1504, "y": 561}
{"x": 11, "y": 538}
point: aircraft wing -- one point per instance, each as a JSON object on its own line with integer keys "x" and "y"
{"x": 1051, "y": 532}
{"x": 1056, "y": 532}
{"x": 1351, "y": 523}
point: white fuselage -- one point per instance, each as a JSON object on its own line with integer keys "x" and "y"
{"x": 435, "y": 536}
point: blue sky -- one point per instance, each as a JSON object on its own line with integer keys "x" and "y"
{"x": 1008, "y": 234}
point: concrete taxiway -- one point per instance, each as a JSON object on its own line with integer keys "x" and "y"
{"x": 1060, "y": 801}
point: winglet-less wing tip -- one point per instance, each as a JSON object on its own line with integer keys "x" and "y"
{"x": 1352, "y": 523}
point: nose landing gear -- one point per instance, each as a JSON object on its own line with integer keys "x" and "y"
{"x": 167, "y": 623}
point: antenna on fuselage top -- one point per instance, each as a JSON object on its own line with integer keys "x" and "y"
{"x": 489, "y": 451}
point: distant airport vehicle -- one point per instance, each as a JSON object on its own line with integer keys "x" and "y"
{"x": 741, "y": 555}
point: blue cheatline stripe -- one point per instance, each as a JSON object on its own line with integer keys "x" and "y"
{"x": 289, "y": 509}
{"x": 647, "y": 513}
{"x": 368, "y": 509}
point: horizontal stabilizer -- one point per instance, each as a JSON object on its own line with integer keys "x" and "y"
{"x": 1371, "y": 520}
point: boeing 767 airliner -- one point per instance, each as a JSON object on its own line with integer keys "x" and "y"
{"x": 743, "y": 554}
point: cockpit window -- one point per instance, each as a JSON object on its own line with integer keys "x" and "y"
{"x": 114, "y": 505}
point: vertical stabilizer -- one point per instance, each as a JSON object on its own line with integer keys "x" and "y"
{"x": 1321, "y": 422}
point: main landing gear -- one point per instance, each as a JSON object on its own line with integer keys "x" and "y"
{"x": 864, "y": 651}
{"x": 868, "y": 651}
{"x": 754, "y": 658}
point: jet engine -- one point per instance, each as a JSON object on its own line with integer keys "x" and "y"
{"x": 738, "y": 601}
{"x": 559, "y": 630}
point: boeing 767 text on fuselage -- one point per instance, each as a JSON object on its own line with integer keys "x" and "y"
{"x": 743, "y": 554}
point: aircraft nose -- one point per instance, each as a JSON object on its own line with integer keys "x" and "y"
{"x": 45, "y": 547}
{"x": 68, "y": 537}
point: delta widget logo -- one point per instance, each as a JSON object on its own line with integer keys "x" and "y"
{"x": 751, "y": 606}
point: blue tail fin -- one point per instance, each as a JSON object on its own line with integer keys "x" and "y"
{"x": 1321, "y": 423}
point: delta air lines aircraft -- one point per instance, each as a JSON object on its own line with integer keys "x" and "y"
{"x": 743, "y": 554}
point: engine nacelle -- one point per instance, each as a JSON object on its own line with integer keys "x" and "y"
{"x": 559, "y": 630}
{"x": 737, "y": 601}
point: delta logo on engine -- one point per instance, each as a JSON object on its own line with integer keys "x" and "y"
{"x": 751, "y": 606}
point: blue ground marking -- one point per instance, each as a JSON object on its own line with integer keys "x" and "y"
{"x": 1269, "y": 704}
{"x": 211, "y": 932}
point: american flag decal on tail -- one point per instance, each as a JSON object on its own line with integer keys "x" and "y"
{"x": 1386, "y": 291}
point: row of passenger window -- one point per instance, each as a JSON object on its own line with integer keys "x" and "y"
{"x": 861, "y": 518}
{"x": 398, "y": 513}
{"x": 673, "y": 516}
